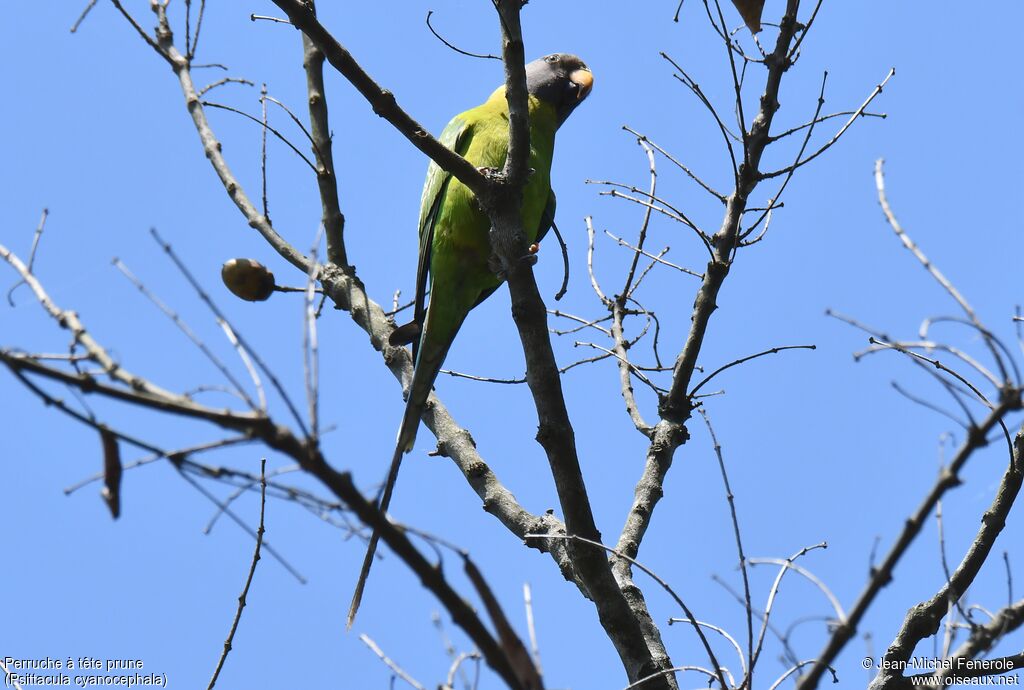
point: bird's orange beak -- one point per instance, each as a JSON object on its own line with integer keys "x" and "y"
{"x": 584, "y": 79}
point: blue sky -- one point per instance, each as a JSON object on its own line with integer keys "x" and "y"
{"x": 818, "y": 447}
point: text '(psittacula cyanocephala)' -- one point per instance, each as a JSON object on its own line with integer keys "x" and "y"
{"x": 455, "y": 249}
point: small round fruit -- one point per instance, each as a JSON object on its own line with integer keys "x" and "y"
{"x": 248, "y": 279}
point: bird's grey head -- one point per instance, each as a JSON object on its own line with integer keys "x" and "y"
{"x": 561, "y": 80}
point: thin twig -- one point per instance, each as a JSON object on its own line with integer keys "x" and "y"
{"x": 268, "y": 18}
{"x": 1009, "y": 578}
{"x": 221, "y": 82}
{"x": 930, "y": 346}
{"x": 31, "y": 254}
{"x": 310, "y": 343}
{"x": 625, "y": 367}
{"x": 460, "y": 51}
{"x": 711, "y": 676}
{"x": 584, "y": 323}
{"x": 657, "y": 258}
{"x": 243, "y": 355}
{"x": 773, "y": 592}
{"x": 796, "y": 667}
{"x": 741, "y": 360}
{"x": 395, "y": 668}
{"x": 810, "y": 577}
{"x": 675, "y": 215}
{"x": 590, "y": 262}
{"x": 899, "y": 347}
{"x": 823, "y": 118}
{"x": 928, "y": 404}
{"x": 191, "y": 53}
{"x": 263, "y": 150}
{"x": 482, "y": 379}
{"x": 723, "y": 633}
{"x": 637, "y": 371}
{"x": 985, "y": 333}
{"x": 737, "y": 534}
{"x": 248, "y": 580}
{"x": 142, "y": 32}
{"x": 456, "y": 667}
{"x": 642, "y": 232}
{"x": 83, "y": 15}
{"x": 297, "y": 121}
{"x": 531, "y": 627}
{"x": 265, "y": 126}
{"x": 706, "y": 187}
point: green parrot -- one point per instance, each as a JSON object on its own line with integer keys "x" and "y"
{"x": 454, "y": 251}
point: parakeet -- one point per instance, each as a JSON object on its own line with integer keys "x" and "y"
{"x": 455, "y": 249}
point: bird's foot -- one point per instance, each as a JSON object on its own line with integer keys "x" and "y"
{"x": 498, "y": 267}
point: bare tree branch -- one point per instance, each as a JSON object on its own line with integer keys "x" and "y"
{"x": 320, "y": 132}
{"x": 923, "y": 620}
{"x": 883, "y": 573}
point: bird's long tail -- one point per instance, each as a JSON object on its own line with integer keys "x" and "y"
{"x": 428, "y": 365}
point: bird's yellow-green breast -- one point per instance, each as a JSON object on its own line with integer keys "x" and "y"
{"x": 461, "y": 226}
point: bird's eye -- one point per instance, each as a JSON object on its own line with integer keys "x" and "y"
{"x": 552, "y": 59}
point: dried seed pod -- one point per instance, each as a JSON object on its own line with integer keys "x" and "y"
{"x": 112, "y": 470}
{"x": 248, "y": 279}
{"x": 750, "y": 10}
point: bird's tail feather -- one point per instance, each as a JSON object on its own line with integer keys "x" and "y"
{"x": 427, "y": 368}
{"x": 371, "y": 549}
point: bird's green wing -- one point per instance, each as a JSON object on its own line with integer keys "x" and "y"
{"x": 456, "y": 136}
